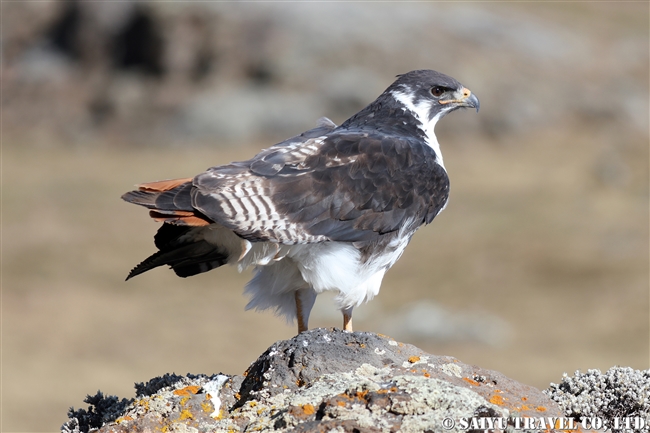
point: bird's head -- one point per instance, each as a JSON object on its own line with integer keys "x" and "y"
{"x": 416, "y": 100}
{"x": 431, "y": 95}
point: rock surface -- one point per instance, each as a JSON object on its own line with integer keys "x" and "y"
{"x": 320, "y": 381}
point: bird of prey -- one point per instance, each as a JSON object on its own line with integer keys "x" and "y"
{"x": 330, "y": 209}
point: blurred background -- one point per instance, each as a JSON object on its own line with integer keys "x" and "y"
{"x": 538, "y": 266}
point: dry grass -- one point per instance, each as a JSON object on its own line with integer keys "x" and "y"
{"x": 535, "y": 233}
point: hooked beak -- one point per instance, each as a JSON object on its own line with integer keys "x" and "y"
{"x": 473, "y": 102}
{"x": 464, "y": 98}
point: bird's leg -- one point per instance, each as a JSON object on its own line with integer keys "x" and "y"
{"x": 305, "y": 299}
{"x": 302, "y": 324}
{"x": 347, "y": 319}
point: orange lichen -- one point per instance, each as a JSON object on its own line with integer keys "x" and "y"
{"x": 123, "y": 419}
{"x": 207, "y": 407}
{"x": 186, "y": 414}
{"x": 143, "y": 403}
{"x": 414, "y": 359}
{"x": 525, "y": 407}
{"x": 237, "y": 395}
{"x": 345, "y": 396}
{"x": 497, "y": 399}
{"x": 192, "y": 389}
{"x": 386, "y": 391}
{"x": 426, "y": 374}
{"x": 540, "y": 409}
{"x": 183, "y": 401}
{"x": 309, "y": 409}
{"x": 470, "y": 381}
{"x": 362, "y": 394}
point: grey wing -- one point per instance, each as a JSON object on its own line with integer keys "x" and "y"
{"x": 341, "y": 186}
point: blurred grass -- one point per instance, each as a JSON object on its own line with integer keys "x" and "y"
{"x": 534, "y": 233}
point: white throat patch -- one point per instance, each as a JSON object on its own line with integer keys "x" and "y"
{"x": 421, "y": 112}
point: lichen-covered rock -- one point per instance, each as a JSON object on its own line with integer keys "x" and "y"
{"x": 320, "y": 381}
{"x": 298, "y": 362}
{"x": 620, "y": 392}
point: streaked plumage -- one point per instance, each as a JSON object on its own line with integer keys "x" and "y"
{"x": 330, "y": 209}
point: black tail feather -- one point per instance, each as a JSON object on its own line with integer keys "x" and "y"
{"x": 185, "y": 256}
{"x": 169, "y": 235}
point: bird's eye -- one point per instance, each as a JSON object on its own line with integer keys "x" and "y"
{"x": 437, "y": 91}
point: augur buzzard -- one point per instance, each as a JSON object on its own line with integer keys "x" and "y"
{"x": 330, "y": 209}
